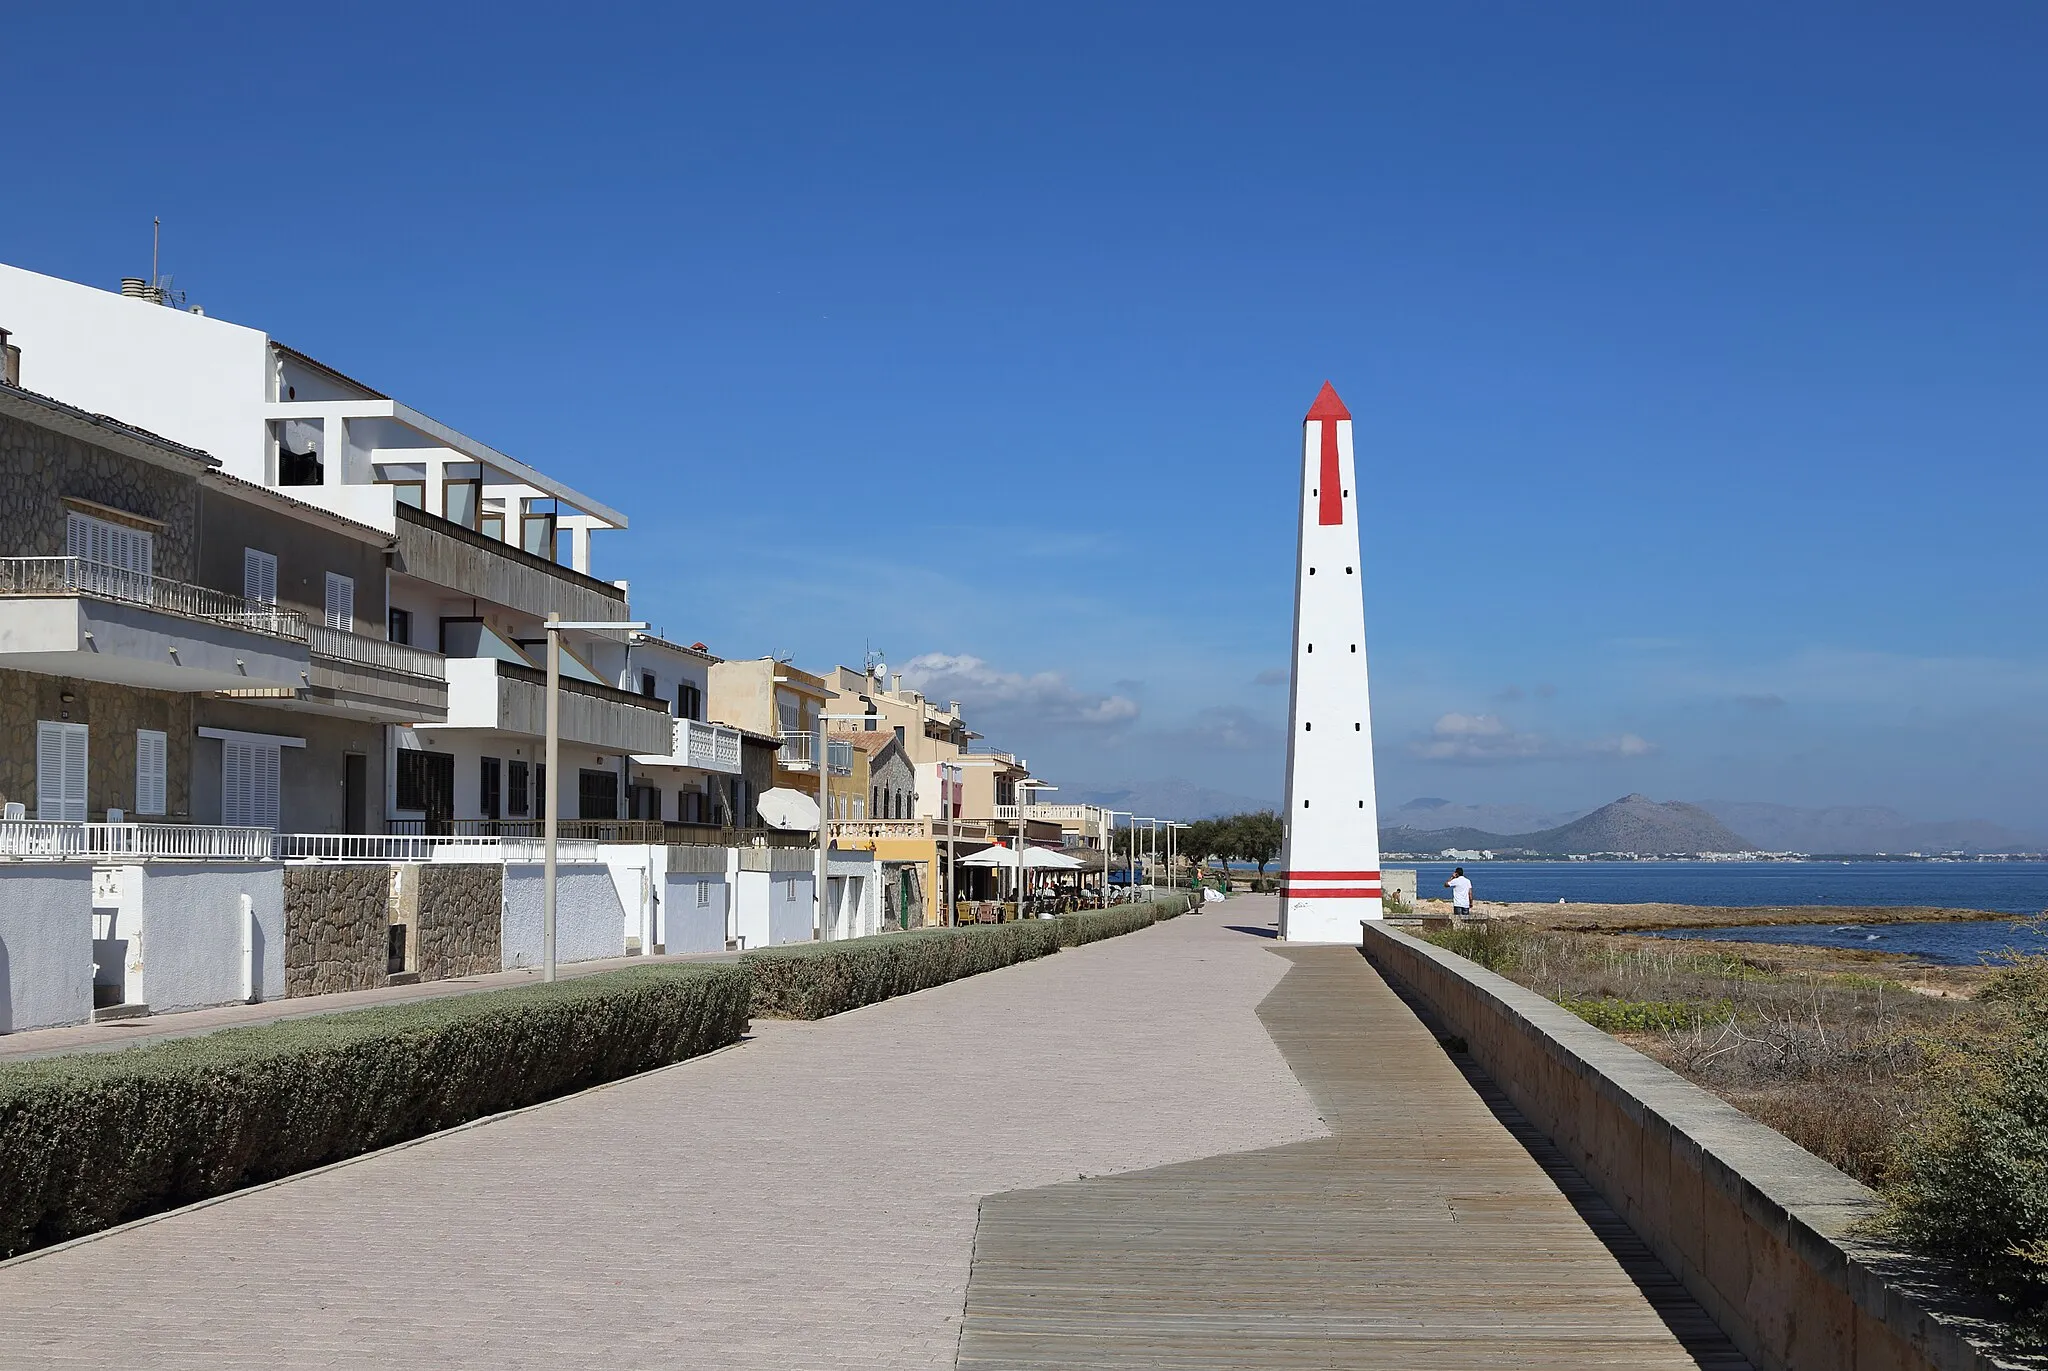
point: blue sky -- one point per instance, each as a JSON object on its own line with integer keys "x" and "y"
{"x": 1697, "y": 354}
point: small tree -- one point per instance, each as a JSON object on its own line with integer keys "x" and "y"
{"x": 1259, "y": 837}
{"x": 1197, "y": 842}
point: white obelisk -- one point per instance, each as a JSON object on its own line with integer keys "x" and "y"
{"x": 1330, "y": 875}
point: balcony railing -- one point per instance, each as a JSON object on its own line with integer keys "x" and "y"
{"x": 376, "y": 653}
{"x": 1051, "y": 813}
{"x": 78, "y": 576}
{"x": 708, "y": 747}
{"x": 799, "y": 749}
{"x": 192, "y": 842}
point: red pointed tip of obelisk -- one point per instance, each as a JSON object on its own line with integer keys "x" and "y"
{"x": 1327, "y": 405}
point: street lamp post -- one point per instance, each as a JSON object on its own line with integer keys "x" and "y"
{"x": 1022, "y": 805}
{"x": 550, "y": 814}
{"x": 1109, "y": 846}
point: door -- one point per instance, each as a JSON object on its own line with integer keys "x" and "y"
{"x": 355, "y": 793}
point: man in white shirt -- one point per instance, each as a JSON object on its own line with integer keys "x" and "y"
{"x": 1461, "y": 894}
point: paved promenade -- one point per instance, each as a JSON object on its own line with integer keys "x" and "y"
{"x": 1188, "y": 1147}
{"x": 807, "y": 1199}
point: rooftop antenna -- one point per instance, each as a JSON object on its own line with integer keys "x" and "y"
{"x": 156, "y": 243}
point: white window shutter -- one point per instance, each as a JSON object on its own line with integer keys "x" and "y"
{"x": 50, "y": 772}
{"x": 259, "y": 576}
{"x": 73, "y": 785}
{"x": 265, "y": 766}
{"x": 152, "y": 751}
{"x": 234, "y": 783}
{"x": 341, "y": 602}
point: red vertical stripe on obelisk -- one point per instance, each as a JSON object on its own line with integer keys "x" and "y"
{"x": 1327, "y": 410}
{"x": 1332, "y": 511}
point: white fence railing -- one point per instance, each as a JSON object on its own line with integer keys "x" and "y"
{"x": 376, "y": 653}
{"x": 35, "y": 838}
{"x": 399, "y": 847}
{"x": 796, "y": 751}
{"x": 708, "y": 746}
{"x": 78, "y": 576}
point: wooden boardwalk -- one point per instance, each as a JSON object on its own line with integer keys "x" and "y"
{"x": 1420, "y": 1234}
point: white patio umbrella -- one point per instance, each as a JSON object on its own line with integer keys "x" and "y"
{"x": 1035, "y": 859}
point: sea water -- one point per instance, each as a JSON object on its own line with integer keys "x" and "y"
{"x": 2017, "y": 889}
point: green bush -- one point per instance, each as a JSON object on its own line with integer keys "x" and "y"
{"x": 814, "y": 980}
{"x": 1494, "y": 945}
{"x": 95, "y": 1139}
{"x": 1970, "y": 1176}
{"x": 1095, "y": 924}
{"x": 1610, "y": 1014}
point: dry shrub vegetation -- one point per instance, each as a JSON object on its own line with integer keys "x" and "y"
{"x": 1939, "y": 1101}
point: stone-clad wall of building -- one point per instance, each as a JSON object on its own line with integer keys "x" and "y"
{"x": 112, "y": 714}
{"x": 337, "y": 922}
{"x": 458, "y": 919}
{"x": 40, "y": 468}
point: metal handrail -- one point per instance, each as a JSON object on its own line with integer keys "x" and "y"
{"x": 104, "y": 581}
{"x": 189, "y": 842}
{"x": 376, "y": 653}
{"x": 394, "y": 847}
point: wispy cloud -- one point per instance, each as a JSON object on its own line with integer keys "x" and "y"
{"x": 1043, "y": 697}
{"x": 1482, "y": 738}
{"x": 1271, "y": 676}
{"x": 1477, "y": 738}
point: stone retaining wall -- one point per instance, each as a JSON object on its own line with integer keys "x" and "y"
{"x": 458, "y": 919}
{"x": 336, "y": 928}
{"x": 1757, "y": 1228}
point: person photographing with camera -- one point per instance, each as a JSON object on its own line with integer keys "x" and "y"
{"x": 1461, "y": 894}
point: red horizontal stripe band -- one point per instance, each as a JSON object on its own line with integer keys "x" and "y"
{"x": 1333, "y": 892}
{"x": 1329, "y": 875}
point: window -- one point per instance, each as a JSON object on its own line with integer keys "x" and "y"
{"x": 109, "y": 544}
{"x": 493, "y": 526}
{"x": 426, "y": 782}
{"x": 259, "y": 576}
{"x": 248, "y": 783}
{"x": 540, "y": 790}
{"x": 703, "y": 894}
{"x": 537, "y": 533}
{"x": 647, "y": 687}
{"x": 876, "y": 797}
{"x": 487, "y": 788}
{"x": 689, "y": 701}
{"x": 400, "y": 625}
{"x": 515, "y": 788}
{"x": 644, "y": 802}
{"x": 789, "y": 888}
{"x": 597, "y": 794}
{"x": 60, "y": 772}
{"x": 341, "y": 603}
{"x": 462, "y": 502}
{"x": 412, "y": 493}
{"x": 152, "y": 752}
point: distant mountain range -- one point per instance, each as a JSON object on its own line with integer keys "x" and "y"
{"x": 1636, "y": 823}
{"x": 1863, "y": 828}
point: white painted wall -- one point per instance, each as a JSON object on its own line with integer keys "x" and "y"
{"x": 589, "y": 921}
{"x": 791, "y": 911}
{"x": 638, "y": 872}
{"x": 750, "y": 908}
{"x": 190, "y": 952}
{"x": 687, "y": 925}
{"x": 45, "y": 945}
{"x": 199, "y": 381}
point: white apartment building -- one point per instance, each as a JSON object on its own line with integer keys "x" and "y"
{"x": 474, "y": 565}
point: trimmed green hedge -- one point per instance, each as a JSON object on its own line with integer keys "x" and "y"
{"x": 1092, "y": 925}
{"x": 814, "y": 980}
{"x": 94, "y": 1139}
